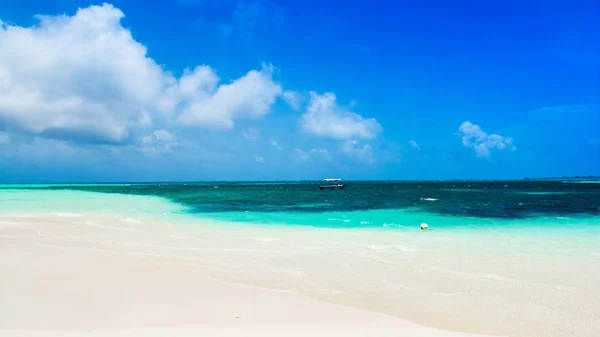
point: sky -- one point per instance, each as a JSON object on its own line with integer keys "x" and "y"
{"x": 197, "y": 90}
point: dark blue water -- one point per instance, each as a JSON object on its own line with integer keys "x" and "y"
{"x": 483, "y": 199}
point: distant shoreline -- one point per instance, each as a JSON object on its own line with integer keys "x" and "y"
{"x": 567, "y": 178}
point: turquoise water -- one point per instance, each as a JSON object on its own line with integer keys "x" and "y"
{"x": 392, "y": 205}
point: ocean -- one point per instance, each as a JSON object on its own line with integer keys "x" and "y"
{"x": 382, "y": 204}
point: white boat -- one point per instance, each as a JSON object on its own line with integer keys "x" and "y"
{"x": 332, "y": 186}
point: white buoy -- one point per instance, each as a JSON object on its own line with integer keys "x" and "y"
{"x": 424, "y": 226}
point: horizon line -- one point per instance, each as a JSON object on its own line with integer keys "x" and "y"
{"x": 300, "y": 180}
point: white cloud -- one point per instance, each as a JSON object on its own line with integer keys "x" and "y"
{"x": 325, "y": 118}
{"x": 482, "y": 142}
{"x": 259, "y": 159}
{"x": 276, "y": 144}
{"x": 216, "y": 107}
{"x": 354, "y": 149}
{"x": 293, "y": 99}
{"x": 82, "y": 76}
{"x": 414, "y": 144}
{"x": 307, "y": 155}
{"x": 251, "y": 134}
{"x": 85, "y": 79}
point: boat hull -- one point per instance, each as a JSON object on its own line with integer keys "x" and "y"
{"x": 332, "y": 187}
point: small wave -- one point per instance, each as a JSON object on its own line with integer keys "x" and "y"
{"x": 335, "y": 219}
{"x": 364, "y": 222}
{"x": 429, "y": 199}
{"x": 581, "y": 181}
{"x": 540, "y": 193}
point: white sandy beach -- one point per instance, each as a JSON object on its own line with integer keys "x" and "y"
{"x": 56, "y": 284}
{"x": 113, "y": 275}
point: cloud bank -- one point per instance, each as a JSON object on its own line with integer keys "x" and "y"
{"x": 85, "y": 79}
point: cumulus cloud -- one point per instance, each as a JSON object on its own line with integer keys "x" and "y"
{"x": 206, "y": 104}
{"x": 325, "y": 118}
{"x": 354, "y": 149}
{"x": 259, "y": 159}
{"x": 482, "y": 142}
{"x": 302, "y": 155}
{"x": 76, "y": 77}
{"x": 414, "y": 144}
{"x": 84, "y": 78}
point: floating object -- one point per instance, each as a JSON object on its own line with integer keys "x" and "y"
{"x": 332, "y": 186}
{"x": 424, "y": 226}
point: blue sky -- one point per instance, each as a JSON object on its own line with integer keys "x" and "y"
{"x": 276, "y": 90}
